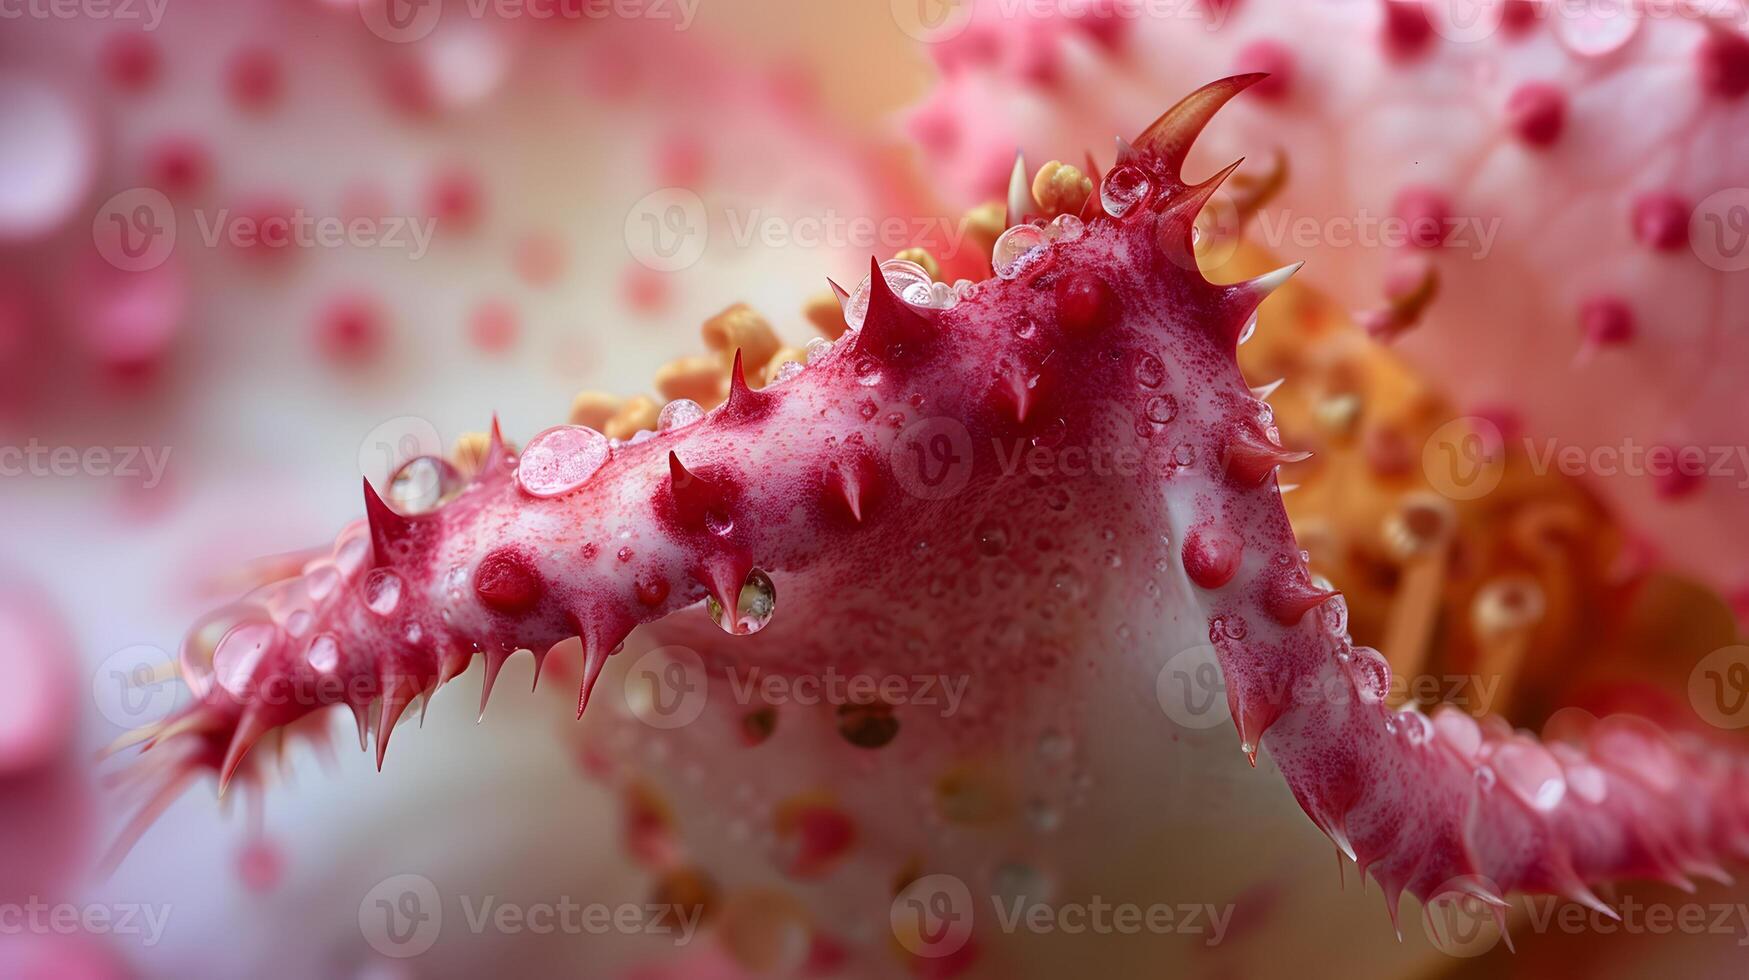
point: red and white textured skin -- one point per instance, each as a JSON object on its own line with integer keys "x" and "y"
{"x": 1105, "y": 344}
{"x": 1591, "y": 315}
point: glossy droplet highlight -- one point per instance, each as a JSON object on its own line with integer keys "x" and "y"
{"x": 560, "y": 460}
{"x": 324, "y": 653}
{"x": 1371, "y": 674}
{"x": 678, "y": 414}
{"x": 1015, "y": 249}
{"x": 1122, "y": 189}
{"x": 424, "y": 484}
{"x": 382, "y": 591}
{"x": 753, "y": 609}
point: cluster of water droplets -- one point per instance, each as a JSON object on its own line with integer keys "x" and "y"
{"x": 1023, "y": 244}
{"x": 911, "y": 283}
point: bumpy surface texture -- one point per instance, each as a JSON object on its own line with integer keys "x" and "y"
{"x": 1055, "y": 485}
{"x": 1566, "y": 182}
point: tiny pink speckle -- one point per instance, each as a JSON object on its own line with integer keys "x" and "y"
{"x": 560, "y": 460}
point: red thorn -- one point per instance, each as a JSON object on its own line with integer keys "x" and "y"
{"x": 1289, "y": 598}
{"x": 1177, "y": 227}
{"x": 1272, "y": 59}
{"x": 852, "y": 482}
{"x": 250, "y": 728}
{"x": 361, "y": 715}
{"x": 494, "y": 663}
{"x": 1172, "y": 135}
{"x": 1250, "y": 458}
{"x": 396, "y": 698}
{"x": 497, "y": 459}
{"x": 723, "y": 579}
{"x": 743, "y": 402}
{"x": 892, "y": 327}
{"x": 392, "y": 535}
{"x": 697, "y": 501}
{"x": 594, "y": 658}
{"x": 838, "y": 291}
{"x": 1242, "y": 299}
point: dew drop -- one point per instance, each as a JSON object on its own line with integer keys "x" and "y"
{"x": 757, "y": 601}
{"x": 323, "y": 653}
{"x": 1371, "y": 674}
{"x": 1600, "y": 28}
{"x": 560, "y": 460}
{"x": 1122, "y": 189}
{"x": 787, "y": 371}
{"x": 1018, "y": 247}
{"x": 1055, "y": 746}
{"x": 992, "y": 538}
{"x": 679, "y": 413}
{"x": 817, "y": 349}
{"x": 1149, "y": 371}
{"x": 422, "y": 485}
{"x": 1065, "y": 228}
{"x": 1162, "y": 409}
{"x": 319, "y": 582}
{"x": 382, "y": 591}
